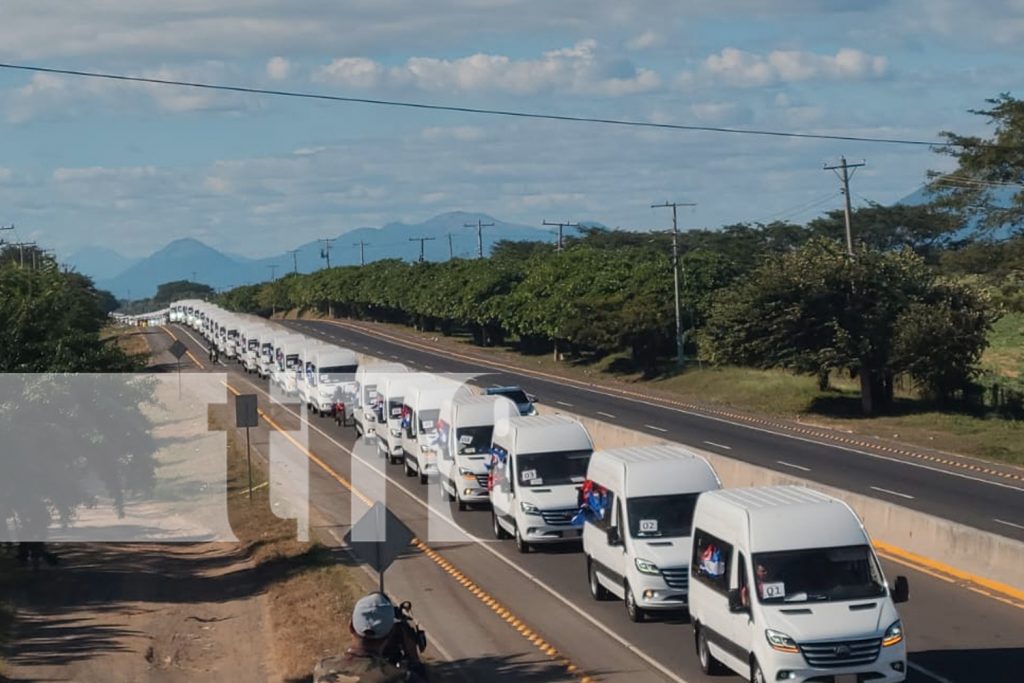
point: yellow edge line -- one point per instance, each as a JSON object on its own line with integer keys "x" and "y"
{"x": 187, "y": 352}
{"x": 916, "y": 561}
{"x": 503, "y": 613}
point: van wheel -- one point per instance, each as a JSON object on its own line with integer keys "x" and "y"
{"x": 756, "y": 675}
{"x": 445, "y": 496}
{"x": 499, "y": 531}
{"x": 597, "y": 591}
{"x": 463, "y": 505}
{"x": 708, "y": 664}
{"x": 521, "y": 545}
{"x": 423, "y": 478}
{"x": 635, "y": 613}
{"x": 409, "y": 472}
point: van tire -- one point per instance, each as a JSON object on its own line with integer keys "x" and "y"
{"x": 597, "y": 591}
{"x": 463, "y": 505}
{"x": 409, "y": 472}
{"x": 756, "y": 674}
{"x": 708, "y": 664}
{"x": 499, "y": 531}
{"x": 635, "y": 613}
{"x": 521, "y": 545}
{"x": 423, "y": 478}
{"x": 445, "y": 496}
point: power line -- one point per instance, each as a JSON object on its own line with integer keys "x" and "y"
{"x": 483, "y": 111}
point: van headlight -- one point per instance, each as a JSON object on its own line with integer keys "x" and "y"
{"x": 467, "y": 473}
{"x": 646, "y": 566}
{"x": 893, "y": 634}
{"x": 424, "y": 448}
{"x": 395, "y": 432}
{"x": 529, "y": 508}
{"x": 780, "y": 641}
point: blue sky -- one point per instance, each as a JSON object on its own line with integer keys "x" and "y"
{"x": 133, "y": 167}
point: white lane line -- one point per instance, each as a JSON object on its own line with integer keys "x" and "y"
{"x": 718, "y": 445}
{"x": 893, "y": 493}
{"x": 930, "y": 674}
{"x": 795, "y": 467}
{"x": 657, "y": 429}
{"x": 563, "y": 403}
{"x": 428, "y": 367}
{"x": 1013, "y": 524}
{"x": 484, "y": 545}
{"x": 608, "y": 415}
{"x": 543, "y": 377}
{"x": 394, "y": 357}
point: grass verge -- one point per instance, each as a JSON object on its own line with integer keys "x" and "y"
{"x": 311, "y": 597}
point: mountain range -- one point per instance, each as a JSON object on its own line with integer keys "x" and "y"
{"x": 190, "y": 259}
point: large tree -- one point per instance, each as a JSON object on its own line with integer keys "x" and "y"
{"x": 816, "y": 309}
{"x": 987, "y": 185}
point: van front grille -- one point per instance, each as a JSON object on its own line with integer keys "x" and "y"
{"x": 558, "y": 517}
{"x": 841, "y": 652}
{"x": 676, "y": 577}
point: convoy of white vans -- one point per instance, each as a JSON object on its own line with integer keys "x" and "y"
{"x": 779, "y": 583}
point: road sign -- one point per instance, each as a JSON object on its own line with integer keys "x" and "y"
{"x": 246, "y": 414}
{"x": 178, "y": 349}
{"x": 378, "y": 538}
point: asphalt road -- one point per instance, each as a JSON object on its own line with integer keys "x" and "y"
{"x": 982, "y": 502}
{"x": 954, "y": 634}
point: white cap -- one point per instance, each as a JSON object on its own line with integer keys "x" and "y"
{"x": 373, "y": 616}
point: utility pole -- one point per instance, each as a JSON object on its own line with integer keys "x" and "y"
{"x": 422, "y": 241}
{"x": 680, "y": 356}
{"x": 480, "y": 225}
{"x": 845, "y": 171}
{"x": 193, "y": 276}
{"x": 560, "y": 226}
{"x": 273, "y": 271}
{"x": 295, "y": 259}
{"x": 325, "y": 250}
{"x": 451, "y": 250}
{"x": 362, "y": 256}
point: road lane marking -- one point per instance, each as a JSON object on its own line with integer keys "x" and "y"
{"x": 608, "y": 415}
{"x": 563, "y": 403}
{"x": 736, "y": 421}
{"x": 1014, "y": 525}
{"x": 930, "y": 674}
{"x": 893, "y": 493}
{"x": 796, "y": 467}
{"x": 718, "y": 445}
{"x": 532, "y": 636}
{"x": 657, "y": 429}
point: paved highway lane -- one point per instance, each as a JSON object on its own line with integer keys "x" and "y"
{"x": 954, "y": 634}
{"x": 991, "y": 505}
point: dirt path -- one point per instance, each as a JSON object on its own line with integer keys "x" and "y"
{"x": 143, "y": 613}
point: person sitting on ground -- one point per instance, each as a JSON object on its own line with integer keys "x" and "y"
{"x": 373, "y": 620}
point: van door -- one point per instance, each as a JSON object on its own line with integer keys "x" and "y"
{"x": 501, "y": 489}
{"x": 740, "y": 629}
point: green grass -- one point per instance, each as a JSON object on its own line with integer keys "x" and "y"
{"x": 1005, "y": 355}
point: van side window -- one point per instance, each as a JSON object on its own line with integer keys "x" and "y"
{"x": 711, "y": 561}
{"x": 597, "y": 503}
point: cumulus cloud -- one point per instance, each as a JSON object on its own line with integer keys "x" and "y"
{"x": 645, "y": 40}
{"x": 582, "y": 69}
{"x": 745, "y": 69}
{"x": 278, "y": 68}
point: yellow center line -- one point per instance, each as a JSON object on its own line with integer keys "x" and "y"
{"x": 503, "y": 613}
{"x": 187, "y": 352}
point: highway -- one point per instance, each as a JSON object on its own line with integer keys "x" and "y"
{"x": 992, "y": 504}
{"x": 954, "y": 633}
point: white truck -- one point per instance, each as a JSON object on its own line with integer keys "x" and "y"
{"x": 421, "y": 411}
{"x": 538, "y": 466}
{"x": 785, "y": 586}
{"x": 389, "y": 432}
{"x": 286, "y": 356}
{"x": 329, "y": 382}
{"x": 466, "y": 426}
{"x": 369, "y": 410}
{"x": 637, "y": 521}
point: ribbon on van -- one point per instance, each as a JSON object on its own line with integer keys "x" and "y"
{"x": 406, "y": 417}
{"x": 442, "y": 433}
{"x": 497, "y": 460}
{"x": 593, "y": 504}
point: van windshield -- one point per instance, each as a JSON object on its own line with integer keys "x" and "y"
{"x": 475, "y": 439}
{"x": 428, "y": 420}
{"x": 553, "y": 469}
{"x": 337, "y": 373}
{"x": 817, "y": 575}
{"x": 395, "y": 408}
{"x": 669, "y": 516}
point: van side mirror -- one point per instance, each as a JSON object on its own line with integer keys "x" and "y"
{"x": 532, "y": 398}
{"x": 736, "y": 601}
{"x": 614, "y": 539}
{"x": 901, "y": 591}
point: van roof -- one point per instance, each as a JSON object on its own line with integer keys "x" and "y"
{"x": 661, "y": 469}
{"x": 791, "y": 517}
{"x": 543, "y": 434}
{"x": 475, "y": 410}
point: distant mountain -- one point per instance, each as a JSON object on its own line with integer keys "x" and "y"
{"x": 181, "y": 258}
{"x": 99, "y": 263}
{"x": 1003, "y": 196}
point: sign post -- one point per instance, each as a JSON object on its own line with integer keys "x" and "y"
{"x": 247, "y": 415}
{"x": 178, "y": 350}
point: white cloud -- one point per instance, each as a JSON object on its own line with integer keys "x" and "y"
{"x": 216, "y": 185}
{"x": 278, "y": 68}
{"x": 645, "y": 40}
{"x": 745, "y": 69}
{"x": 581, "y": 69}
{"x": 6, "y": 175}
{"x": 457, "y": 133}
